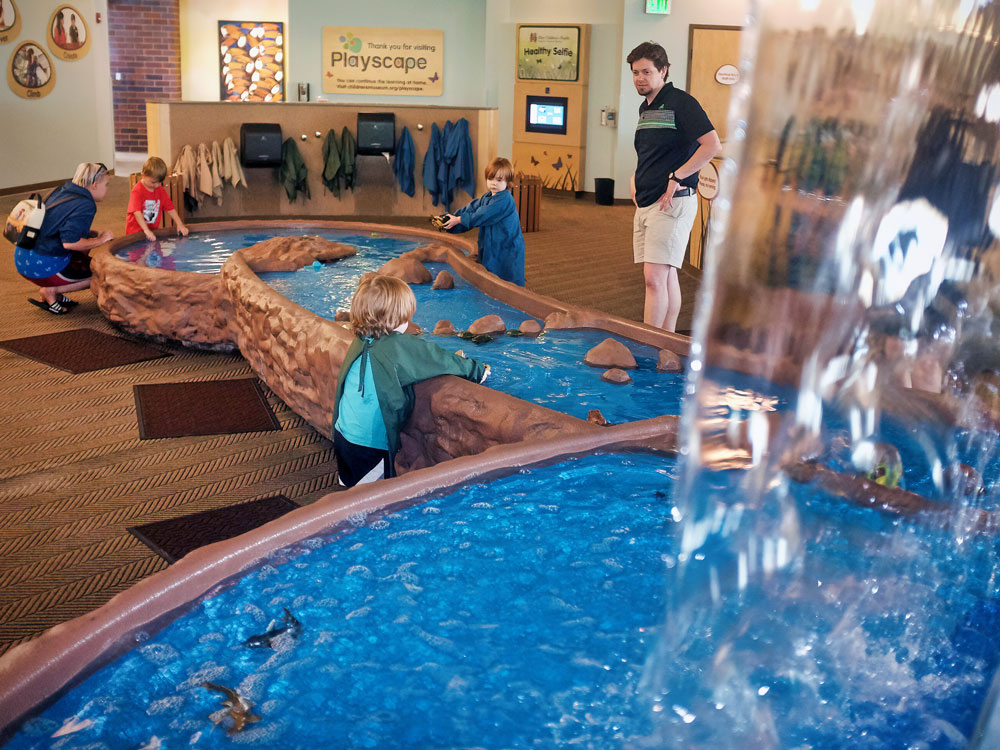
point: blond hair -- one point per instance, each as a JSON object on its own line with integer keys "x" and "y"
{"x": 501, "y": 169}
{"x": 380, "y": 304}
{"x": 89, "y": 173}
{"x": 155, "y": 167}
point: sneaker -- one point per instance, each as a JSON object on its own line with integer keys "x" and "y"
{"x": 56, "y": 308}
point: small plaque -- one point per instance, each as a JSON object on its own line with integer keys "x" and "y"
{"x": 708, "y": 182}
{"x": 727, "y": 75}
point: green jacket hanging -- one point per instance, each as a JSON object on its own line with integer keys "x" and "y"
{"x": 332, "y": 164}
{"x": 292, "y": 174}
{"x": 348, "y": 158}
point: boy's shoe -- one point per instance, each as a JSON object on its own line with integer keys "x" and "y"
{"x": 65, "y": 301}
{"x": 56, "y": 308}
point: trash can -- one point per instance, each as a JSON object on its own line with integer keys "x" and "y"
{"x": 604, "y": 191}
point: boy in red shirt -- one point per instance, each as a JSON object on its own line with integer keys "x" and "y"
{"x": 148, "y": 201}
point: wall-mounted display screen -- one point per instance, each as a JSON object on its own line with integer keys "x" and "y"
{"x": 546, "y": 114}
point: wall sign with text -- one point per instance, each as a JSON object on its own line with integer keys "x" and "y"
{"x": 548, "y": 53}
{"x": 10, "y": 21}
{"x": 370, "y": 60}
{"x": 68, "y": 35}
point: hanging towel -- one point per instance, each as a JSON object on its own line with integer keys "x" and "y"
{"x": 231, "y": 167}
{"x": 187, "y": 166}
{"x": 429, "y": 172}
{"x": 348, "y": 158}
{"x": 293, "y": 172}
{"x": 204, "y": 172}
{"x": 402, "y": 163}
{"x": 216, "y": 173}
{"x": 332, "y": 166}
{"x": 458, "y": 152}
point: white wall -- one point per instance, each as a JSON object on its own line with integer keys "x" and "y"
{"x": 44, "y": 139}
{"x": 199, "y": 28}
{"x": 462, "y": 21}
{"x": 672, "y": 32}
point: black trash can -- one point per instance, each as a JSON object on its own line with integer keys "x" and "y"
{"x": 604, "y": 191}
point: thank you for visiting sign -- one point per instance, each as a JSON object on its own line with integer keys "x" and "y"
{"x": 369, "y": 60}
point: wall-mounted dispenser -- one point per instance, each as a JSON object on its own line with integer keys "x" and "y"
{"x": 260, "y": 144}
{"x": 376, "y": 133}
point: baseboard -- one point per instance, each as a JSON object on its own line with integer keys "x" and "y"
{"x": 37, "y": 186}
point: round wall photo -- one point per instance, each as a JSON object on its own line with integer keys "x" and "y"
{"x": 68, "y": 35}
{"x": 10, "y": 21}
{"x": 30, "y": 73}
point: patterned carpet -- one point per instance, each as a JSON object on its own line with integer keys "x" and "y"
{"x": 74, "y": 473}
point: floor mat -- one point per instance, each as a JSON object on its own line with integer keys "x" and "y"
{"x": 82, "y": 350}
{"x": 175, "y": 537}
{"x": 210, "y": 407}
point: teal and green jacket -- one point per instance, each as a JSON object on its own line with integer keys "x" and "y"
{"x": 398, "y": 360}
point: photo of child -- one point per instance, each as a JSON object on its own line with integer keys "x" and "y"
{"x": 67, "y": 33}
{"x": 8, "y": 15}
{"x": 30, "y": 66}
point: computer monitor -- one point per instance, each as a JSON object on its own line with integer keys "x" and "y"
{"x": 546, "y": 114}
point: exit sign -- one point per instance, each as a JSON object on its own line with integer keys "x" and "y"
{"x": 657, "y": 6}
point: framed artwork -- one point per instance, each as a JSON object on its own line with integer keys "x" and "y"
{"x": 253, "y": 61}
{"x": 68, "y": 35}
{"x": 30, "y": 73}
{"x": 10, "y": 21}
{"x": 548, "y": 53}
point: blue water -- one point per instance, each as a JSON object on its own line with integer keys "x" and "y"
{"x": 547, "y": 370}
{"x": 519, "y": 613}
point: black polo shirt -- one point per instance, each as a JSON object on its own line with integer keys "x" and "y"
{"x": 666, "y": 137}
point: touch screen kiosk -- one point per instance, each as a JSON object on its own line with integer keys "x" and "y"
{"x": 550, "y": 104}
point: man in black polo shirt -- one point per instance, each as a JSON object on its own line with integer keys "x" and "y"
{"x": 673, "y": 141}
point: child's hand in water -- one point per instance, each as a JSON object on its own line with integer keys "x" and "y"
{"x": 485, "y": 374}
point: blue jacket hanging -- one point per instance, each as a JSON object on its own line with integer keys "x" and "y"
{"x": 402, "y": 163}
{"x": 429, "y": 172}
{"x": 458, "y": 152}
{"x": 446, "y": 190}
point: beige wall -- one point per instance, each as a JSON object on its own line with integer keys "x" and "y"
{"x": 199, "y": 22}
{"x": 44, "y": 139}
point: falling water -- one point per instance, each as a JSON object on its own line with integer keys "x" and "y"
{"x": 844, "y": 353}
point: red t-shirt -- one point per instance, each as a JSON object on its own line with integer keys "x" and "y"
{"x": 153, "y": 204}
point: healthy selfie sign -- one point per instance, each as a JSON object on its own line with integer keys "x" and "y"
{"x": 367, "y": 60}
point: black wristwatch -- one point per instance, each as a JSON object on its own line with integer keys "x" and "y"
{"x": 673, "y": 176}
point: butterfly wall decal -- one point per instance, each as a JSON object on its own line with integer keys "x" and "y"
{"x": 434, "y": 78}
{"x": 557, "y": 164}
{"x": 534, "y": 161}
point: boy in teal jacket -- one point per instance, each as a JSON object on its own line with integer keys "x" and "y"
{"x": 374, "y": 397}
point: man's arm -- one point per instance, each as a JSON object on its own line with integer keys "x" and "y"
{"x": 708, "y": 146}
{"x": 632, "y": 186}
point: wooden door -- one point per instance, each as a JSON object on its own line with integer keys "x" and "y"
{"x": 709, "y": 48}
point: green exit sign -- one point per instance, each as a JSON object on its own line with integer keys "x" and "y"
{"x": 657, "y": 6}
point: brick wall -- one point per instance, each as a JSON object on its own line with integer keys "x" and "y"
{"x": 145, "y": 49}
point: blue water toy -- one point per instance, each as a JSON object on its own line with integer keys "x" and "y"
{"x": 317, "y": 265}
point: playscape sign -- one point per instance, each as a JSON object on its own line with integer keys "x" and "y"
{"x": 369, "y": 60}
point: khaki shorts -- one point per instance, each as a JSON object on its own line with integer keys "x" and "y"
{"x": 662, "y": 236}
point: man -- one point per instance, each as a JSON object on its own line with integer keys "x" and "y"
{"x": 673, "y": 141}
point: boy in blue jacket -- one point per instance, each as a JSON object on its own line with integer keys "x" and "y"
{"x": 501, "y": 244}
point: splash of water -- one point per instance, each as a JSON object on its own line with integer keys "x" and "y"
{"x": 851, "y": 287}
